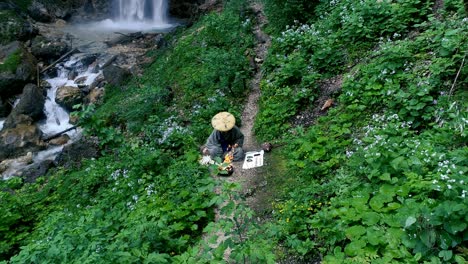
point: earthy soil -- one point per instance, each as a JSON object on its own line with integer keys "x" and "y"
{"x": 328, "y": 90}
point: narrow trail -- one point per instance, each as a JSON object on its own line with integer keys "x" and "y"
{"x": 249, "y": 180}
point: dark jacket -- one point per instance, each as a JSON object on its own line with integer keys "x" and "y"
{"x": 223, "y": 139}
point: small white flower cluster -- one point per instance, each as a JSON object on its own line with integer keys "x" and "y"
{"x": 246, "y": 23}
{"x": 295, "y": 36}
{"x": 169, "y": 127}
{"x": 196, "y": 109}
{"x": 150, "y": 189}
{"x": 448, "y": 173}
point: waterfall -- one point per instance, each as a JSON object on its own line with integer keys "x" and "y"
{"x": 150, "y": 11}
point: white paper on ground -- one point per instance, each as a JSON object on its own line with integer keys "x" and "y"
{"x": 253, "y": 159}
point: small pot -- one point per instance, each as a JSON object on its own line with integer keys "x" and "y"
{"x": 229, "y": 169}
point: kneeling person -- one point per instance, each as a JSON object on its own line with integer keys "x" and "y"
{"x": 225, "y": 137}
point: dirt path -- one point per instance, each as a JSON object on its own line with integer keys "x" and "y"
{"x": 251, "y": 179}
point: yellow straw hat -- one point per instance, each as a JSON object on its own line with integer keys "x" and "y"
{"x": 223, "y": 121}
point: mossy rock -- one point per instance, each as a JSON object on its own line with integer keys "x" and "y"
{"x": 17, "y": 68}
{"x": 11, "y": 62}
{"x": 14, "y": 27}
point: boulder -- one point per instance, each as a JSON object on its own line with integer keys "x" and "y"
{"x": 68, "y": 96}
{"x": 46, "y": 10}
{"x": 72, "y": 154}
{"x": 95, "y": 96}
{"x": 15, "y": 27}
{"x": 45, "y": 85}
{"x": 160, "y": 41}
{"x": 80, "y": 61}
{"x": 17, "y": 141}
{"x": 61, "y": 140}
{"x": 39, "y": 12}
{"x": 31, "y": 104}
{"x": 7, "y": 164}
{"x": 115, "y": 75}
{"x": 49, "y": 49}
{"x": 72, "y": 74}
{"x": 36, "y": 170}
{"x": 81, "y": 80}
{"x": 17, "y": 68}
{"x": 97, "y": 82}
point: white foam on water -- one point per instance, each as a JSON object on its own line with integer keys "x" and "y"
{"x": 58, "y": 118}
{"x": 48, "y": 154}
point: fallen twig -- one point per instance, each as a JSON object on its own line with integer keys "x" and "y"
{"x": 456, "y": 77}
{"x": 59, "y": 60}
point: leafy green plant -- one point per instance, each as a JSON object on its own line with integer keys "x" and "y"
{"x": 11, "y": 62}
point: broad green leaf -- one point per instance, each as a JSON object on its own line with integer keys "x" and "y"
{"x": 410, "y": 221}
{"x": 453, "y": 227}
{"x": 370, "y": 218}
{"x": 355, "y": 232}
{"x": 460, "y": 260}
{"x": 375, "y": 237}
{"x": 385, "y": 177}
{"x": 378, "y": 201}
{"x": 428, "y": 237}
{"x": 354, "y": 247}
{"x": 446, "y": 254}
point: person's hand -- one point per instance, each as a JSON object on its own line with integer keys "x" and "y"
{"x": 206, "y": 151}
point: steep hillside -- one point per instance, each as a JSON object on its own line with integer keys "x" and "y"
{"x": 146, "y": 198}
{"x": 381, "y": 177}
{"x": 365, "y": 103}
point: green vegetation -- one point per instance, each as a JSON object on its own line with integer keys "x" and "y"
{"x": 146, "y": 199}
{"x": 11, "y": 62}
{"x": 383, "y": 174}
{"x": 11, "y": 25}
{"x": 378, "y": 178}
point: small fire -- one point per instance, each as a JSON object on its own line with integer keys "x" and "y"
{"x": 228, "y": 158}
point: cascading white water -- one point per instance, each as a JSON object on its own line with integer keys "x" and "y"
{"x": 131, "y": 16}
{"x": 151, "y": 11}
{"x": 159, "y": 11}
{"x": 58, "y": 118}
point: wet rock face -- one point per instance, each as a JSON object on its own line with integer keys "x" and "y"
{"x": 62, "y": 140}
{"x": 115, "y": 75}
{"x": 72, "y": 154}
{"x": 48, "y": 49}
{"x": 31, "y": 104}
{"x": 15, "y": 142}
{"x": 68, "y": 96}
{"x": 81, "y": 61}
{"x": 39, "y": 12}
{"x": 48, "y": 11}
{"x": 29, "y": 109}
{"x": 34, "y": 171}
{"x": 19, "y": 69}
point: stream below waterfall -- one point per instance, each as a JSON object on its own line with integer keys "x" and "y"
{"x": 89, "y": 38}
